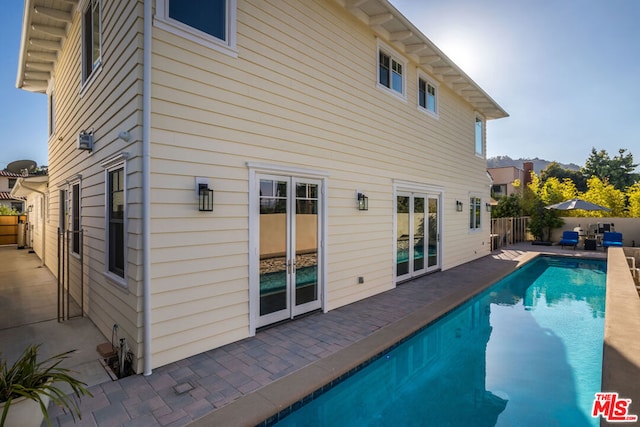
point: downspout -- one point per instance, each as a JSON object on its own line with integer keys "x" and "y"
{"x": 44, "y": 223}
{"x": 146, "y": 185}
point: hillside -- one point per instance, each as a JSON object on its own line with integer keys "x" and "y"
{"x": 538, "y": 164}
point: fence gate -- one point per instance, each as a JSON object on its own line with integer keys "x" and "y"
{"x": 70, "y": 276}
{"x": 9, "y": 228}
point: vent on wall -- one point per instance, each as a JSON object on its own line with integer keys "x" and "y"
{"x": 85, "y": 141}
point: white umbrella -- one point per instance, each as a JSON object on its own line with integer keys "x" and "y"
{"x": 569, "y": 205}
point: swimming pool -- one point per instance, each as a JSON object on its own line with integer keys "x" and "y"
{"x": 526, "y": 352}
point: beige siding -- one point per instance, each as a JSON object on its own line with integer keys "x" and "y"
{"x": 301, "y": 93}
{"x": 110, "y": 103}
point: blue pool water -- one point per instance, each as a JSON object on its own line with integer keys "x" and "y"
{"x": 525, "y": 352}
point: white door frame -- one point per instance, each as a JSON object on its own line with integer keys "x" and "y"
{"x": 423, "y": 190}
{"x": 255, "y": 171}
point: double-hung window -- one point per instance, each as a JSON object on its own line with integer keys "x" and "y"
{"x": 115, "y": 216}
{"x": 91, "y": 39}
{"x": 475, "y": 213}
{"x": 479, "y": 136}
{"x": 209, "y": 22}
{"x": 428, "y": 96}
{"x": 391, "y": 72}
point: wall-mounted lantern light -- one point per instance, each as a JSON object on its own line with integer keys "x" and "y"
{"x": 488, "y": 205}
{"x": 205, "y": 198}
{"x": 363, "y": 202}
{"x": 30, "y": 208}
{"x": 458, "y": 206}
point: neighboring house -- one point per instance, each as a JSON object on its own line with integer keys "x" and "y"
{"x": 330, "y": 134}
{"x": 7, "y": 182}
{"x": 505, "y": 177}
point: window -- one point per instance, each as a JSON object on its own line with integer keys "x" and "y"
{"x": 208, "y": 22}
{"x": 115, "y": 220}
{"x": 479, "y": 137}
{"x": 62, "y": 211}
{"x": 91, "y": 43}
{"x": 499, "y": 189}
{"x": 475, "y": 213}
{"x": 75, "y": 218}
{"x": 427, "y": 96}
{"x": 12, "y": 182}
{"x": 52, "y": 114}
{"x": 391, "y": 74}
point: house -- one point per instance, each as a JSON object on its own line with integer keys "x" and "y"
{"x": 504, "y": 179}
{"x": 7, "y": 182}
{"x": 33, "y": 189}
{"x": 219, "y": 171}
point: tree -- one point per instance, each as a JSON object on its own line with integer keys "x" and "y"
{"x": 554, "y": 170}
{"x": 508, "y": 207}
{"x": 604, "y": 194}
{"x": 618, "y": 171}
{"x": 538, "y": 195}
{"x": 633, "y": 199}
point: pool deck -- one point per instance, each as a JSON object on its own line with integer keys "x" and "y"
{"x": 252, "y": 380}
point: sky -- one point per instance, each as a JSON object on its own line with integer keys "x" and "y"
{"x": 566, "y": 71}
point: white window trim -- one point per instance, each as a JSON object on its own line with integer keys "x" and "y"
{"x": 479, "y": 227}
{"x": 85, "y": 81}
{"x": 423, "y": 76}
{"x": 115, "y": 162}
{"x": 51, "y": 108}
{"x": 163, "y": 21}
{"x": 484, "y": 133}
{"x": 396, "y": 56}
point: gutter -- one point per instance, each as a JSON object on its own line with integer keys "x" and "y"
{"x": 146, "y": 185}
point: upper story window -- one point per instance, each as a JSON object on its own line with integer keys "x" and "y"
{"x": 391, "y": 72}
{"x": 91, "y": 39}
{"x": 479, "y": 135}
{"x": 52, "y": 114}
{"x": 209, "y": 22}
{"x": 428, "y": 95}
{"x": 12, "y": 182}
{"x": 475, "y": 213}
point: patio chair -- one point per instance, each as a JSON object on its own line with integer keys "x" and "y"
{"x": 569, "y": 238}
{"x": 611, "y": 238}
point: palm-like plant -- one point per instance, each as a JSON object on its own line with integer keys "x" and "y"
{"x": 37, "y": 381}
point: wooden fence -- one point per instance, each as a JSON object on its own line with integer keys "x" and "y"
{"x": 507, "y": 231}
{"x": 9, "y": 228}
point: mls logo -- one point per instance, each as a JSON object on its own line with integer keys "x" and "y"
{"x": 612, "y": 408}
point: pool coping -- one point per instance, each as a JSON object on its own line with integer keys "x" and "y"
{"x": 621, "y": 352}
{"x": 261, "y": 406}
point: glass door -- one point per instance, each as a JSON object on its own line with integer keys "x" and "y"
{"x": 433, "y": 234}
{"x": 417, "y": 234}
{"x": 289, "y": 225}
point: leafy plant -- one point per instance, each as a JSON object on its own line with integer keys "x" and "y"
{"x": 35, "y": 380}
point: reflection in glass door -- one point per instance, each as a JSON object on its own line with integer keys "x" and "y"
{"x": 289, "y": 248}
{"x": 417, "y": 234}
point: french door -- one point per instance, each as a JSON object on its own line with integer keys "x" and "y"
{"x": 290, "y": 225}
{"x": 417, "y": 245}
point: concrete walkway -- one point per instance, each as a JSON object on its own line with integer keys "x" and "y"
{"x": 229, "y": 377}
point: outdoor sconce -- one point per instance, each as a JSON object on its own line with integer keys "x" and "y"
{"x": 30, "y": 208}
{"x": 458, "y": 206}
{"x": 488, "y": 205}
{"x": 205, "y": 198}
{"x": 363, "y": 202}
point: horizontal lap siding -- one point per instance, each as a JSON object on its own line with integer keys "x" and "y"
{"x": 301, "y": 93}
{"x": 109, "y": 104}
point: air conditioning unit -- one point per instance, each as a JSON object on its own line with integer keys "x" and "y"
{"x": 85, "y": 141}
